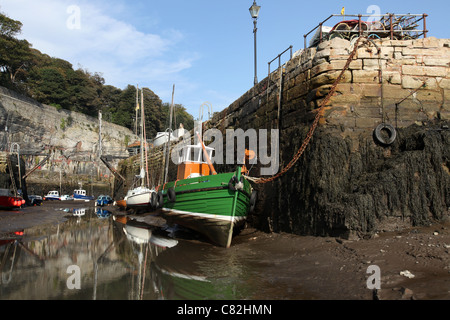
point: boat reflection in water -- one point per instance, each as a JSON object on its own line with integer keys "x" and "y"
{"x": 117, "y": 258}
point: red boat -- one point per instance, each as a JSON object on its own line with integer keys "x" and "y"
{"x": 9, "y": 201}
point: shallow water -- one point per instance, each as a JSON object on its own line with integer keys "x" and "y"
{"x": 96, "y": 255}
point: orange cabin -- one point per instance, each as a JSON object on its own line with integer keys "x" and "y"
{"x": 192, "y": 162}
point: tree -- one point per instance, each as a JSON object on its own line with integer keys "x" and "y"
{"x": 14, "y": 54}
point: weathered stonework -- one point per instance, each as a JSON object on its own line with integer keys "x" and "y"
{"x": 346, "y": 183}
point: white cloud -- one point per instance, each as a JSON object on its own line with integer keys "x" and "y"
{"x": 84, "y": 34}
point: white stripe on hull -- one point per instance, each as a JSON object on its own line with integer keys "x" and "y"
{"x": 207, "y": 215}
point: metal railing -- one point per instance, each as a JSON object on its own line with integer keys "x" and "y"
{"x": 393, "y": 26}
{"x": 279, "y": 57}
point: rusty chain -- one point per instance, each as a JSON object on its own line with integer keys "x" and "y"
{"x": 313, "y": 127}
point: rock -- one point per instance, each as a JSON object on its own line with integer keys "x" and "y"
{"x": 407, "y": 293}
{"x": 407, "y": 273}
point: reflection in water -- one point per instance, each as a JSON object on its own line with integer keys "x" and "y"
{"x": 118, "y": 258}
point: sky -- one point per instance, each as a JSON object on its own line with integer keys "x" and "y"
{"x": 203, "y": 47}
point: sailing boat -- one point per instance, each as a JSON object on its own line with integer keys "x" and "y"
{"x": 141, "y": 197}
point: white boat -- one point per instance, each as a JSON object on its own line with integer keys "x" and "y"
{"x": 141, "y": 197}
{"x": 52, "y": 195}
{"x": 163, "y": 137}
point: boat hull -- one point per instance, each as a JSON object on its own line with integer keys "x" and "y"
{"x": 7, "y": 202}
{"x": 209, "y": 205}
{"x": 139, "y": 198}
{"x": 84, "y": 198}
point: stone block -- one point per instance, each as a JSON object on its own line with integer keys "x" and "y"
{"x": 410, "y": 82}
{"x": 435, "y": 61}
{"x": 334, "y": 65}
{"x": 395, "y": 92}
{"x": 424, "y": 71}
{"x": 335, "y": 43}
{"x": 434, "y": 97}
{"x": 401, "y": 43}
{"x": 322, "y": 54}
{"x": 297, "y": 91}
{"x": 365, "y": 76}
{"x": 421, "y": 52}
{"x": 387, "y": 52}
{"x": 374, "y": 64}
{"x": 300, "y": 78}
{"x": 367, "y": 53}
{"x": 371, "y": 90}
{"x": 392, "y": 77}
{"x": 430, "y": 42}
{"x": 339, "y": 54}
{"x": 329, "y": 78}
{"x": 444, "y": 84}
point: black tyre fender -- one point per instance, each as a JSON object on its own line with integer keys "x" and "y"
{"x": 154, "y": 200}
{"x": 253, "y": 198}
{"x": 171, "y": 195}
{"x": 232, "y": 182}
{"x": 160, "y": 200}
{"x": 378, "y": 136}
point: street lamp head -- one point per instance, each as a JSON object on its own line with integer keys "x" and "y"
{"x": 254, "y": 10}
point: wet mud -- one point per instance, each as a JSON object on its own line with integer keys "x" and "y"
{"x": 412, "y": 263}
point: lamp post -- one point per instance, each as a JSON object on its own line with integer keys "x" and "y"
{"x": 254, "y": 11}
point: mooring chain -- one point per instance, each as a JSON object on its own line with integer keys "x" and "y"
{"x": 313, "y": 127}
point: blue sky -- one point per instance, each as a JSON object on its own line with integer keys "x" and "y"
{"x": 203, "y": 47}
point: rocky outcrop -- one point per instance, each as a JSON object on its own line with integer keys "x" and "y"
{"x": 73, "y": 137}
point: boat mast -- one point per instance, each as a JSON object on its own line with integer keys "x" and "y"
{"x": 142, "y": 173}
{"x": 168, "y": 138}
{"x": 136, "y": 109}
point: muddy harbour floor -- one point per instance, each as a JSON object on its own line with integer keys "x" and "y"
{"x": 413, "y": 263}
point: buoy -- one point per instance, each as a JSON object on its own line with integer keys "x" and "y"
{"x": 391, "y": 131}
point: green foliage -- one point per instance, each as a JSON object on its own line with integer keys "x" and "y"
{"x": 54, "y": 81}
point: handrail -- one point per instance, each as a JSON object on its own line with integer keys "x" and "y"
{"x": 279, "y": 61}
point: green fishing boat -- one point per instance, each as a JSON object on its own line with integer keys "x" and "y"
{"x": 211, "y": 203}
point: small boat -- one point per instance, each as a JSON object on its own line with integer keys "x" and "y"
{"x": 9, "y": 201}
{"x": 205, "y": 201}
{"x": 35, "y": 200}
{"x": 80, "y": 194}
{"x": 162, "y": 137}
{"x": 103, "y": 200}
{"x": 122, "y": 204}
{"x": 141, "y": 197}
{"x": 52, "y": 195}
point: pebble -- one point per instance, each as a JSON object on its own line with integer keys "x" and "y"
{"x": 407, "y": 273}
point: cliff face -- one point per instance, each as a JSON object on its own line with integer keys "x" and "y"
{"x": 73, "y": 137}
{"x": 347, "y": 182}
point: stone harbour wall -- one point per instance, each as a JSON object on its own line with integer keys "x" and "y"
{"x": 72, "y": 137}
{"x": 347, "y": 183}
